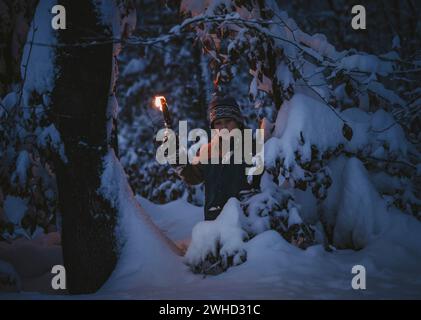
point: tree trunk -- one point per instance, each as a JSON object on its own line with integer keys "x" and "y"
{"x": 80, "y": 100}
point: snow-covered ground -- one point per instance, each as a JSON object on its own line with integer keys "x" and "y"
{"x": 277, "y": 270}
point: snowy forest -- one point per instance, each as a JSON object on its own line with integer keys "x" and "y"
{"x": 80, "y": 185}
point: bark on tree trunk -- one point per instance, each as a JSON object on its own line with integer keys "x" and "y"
{"x": 80, "y": 101}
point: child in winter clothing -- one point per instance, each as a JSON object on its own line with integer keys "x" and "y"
{"x": 222, "y": 180}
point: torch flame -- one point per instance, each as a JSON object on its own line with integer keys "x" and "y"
{"x": 159, "y": 101}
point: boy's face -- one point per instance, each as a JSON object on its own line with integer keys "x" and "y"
{"x": 225, "y": 123}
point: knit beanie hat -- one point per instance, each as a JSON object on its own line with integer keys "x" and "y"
{"x": 225, "y": 107}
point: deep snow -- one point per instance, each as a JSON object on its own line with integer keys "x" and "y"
{"x": 277, "y": 270}
{"x": 274, "y": 269}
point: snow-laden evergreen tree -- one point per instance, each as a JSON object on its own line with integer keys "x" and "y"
{"x": 28, "y": 193}
{"x": 340, "y": 155}
{"x": 173, "y": 69}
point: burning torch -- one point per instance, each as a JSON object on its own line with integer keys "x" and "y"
{"x": 161, "y": 103}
